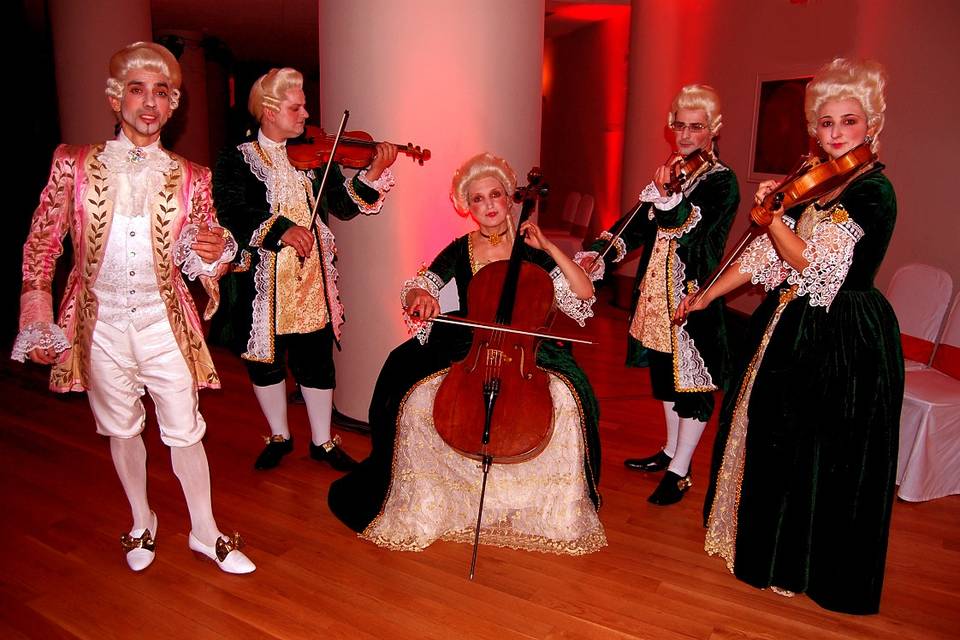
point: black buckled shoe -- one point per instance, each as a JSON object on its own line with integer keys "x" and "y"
{"x": 657, "y": 462}
{"x": 333, "y": 454}
{"x": 277, "y": 447}
{"x": 671, "y": 489}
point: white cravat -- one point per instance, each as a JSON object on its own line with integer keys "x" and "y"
{"x": 126, "y": 286}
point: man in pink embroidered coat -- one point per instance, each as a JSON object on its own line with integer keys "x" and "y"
{"x": 136, "y": 215}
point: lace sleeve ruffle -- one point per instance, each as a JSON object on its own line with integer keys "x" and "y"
{"x": 762, "y": 261}
{"x": 384, "y": 183}
{"x": 568, "y": 302}
{"x": 619, "y": 246}
{"x": 429, "y": 282}
{"x": 830, "y": 254}
{"x": 39, "y": 334}
{"x": 584, "y": 258}
{"x": 193, "y": 265}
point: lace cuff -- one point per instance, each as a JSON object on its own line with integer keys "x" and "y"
{"x": 429, "y": 282}
{"x": 384, "y": 183}
{"x": 583, "y": 258}
{"x": 650, "y": 193}
{"x": 568, "y": 302}
{"x": 762, "y": 261}
{"x": 193, "y": 265}
{"x": 619, "y": 246}
{"x": 39, "y": 334}
{"x": 830, "y": 254}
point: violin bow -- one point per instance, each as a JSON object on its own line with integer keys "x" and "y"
{"x": 499, "y": 327}
{"x": 612, "y": 241}
{"x": 326, "y": 171}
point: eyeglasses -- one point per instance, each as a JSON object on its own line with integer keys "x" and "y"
{"x": 695, "y": 127}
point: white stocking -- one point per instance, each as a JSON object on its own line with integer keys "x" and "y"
{"x": 673, "y": 427}
{"x": 319, "y": 409}
{"x": 273, "y": 403}
{"x": 190, "y": 466}
{"x": 690, "y": 432}
{"x": 130, "y": 460}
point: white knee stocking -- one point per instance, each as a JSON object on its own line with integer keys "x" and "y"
{"x": 689, "y": 436}
{"x": 319, "y": 409}
{"x": 273, "y": 403}
{"x": 673, "y": 427}
{"x": 190, "y": 466}
{"x": 130, "y": 459}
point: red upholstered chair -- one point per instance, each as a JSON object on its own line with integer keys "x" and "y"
{"x": 920, "y": 295}
{"x": 929, "y": 460}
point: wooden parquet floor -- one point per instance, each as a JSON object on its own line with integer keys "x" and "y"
{"x": 62, "y": 573}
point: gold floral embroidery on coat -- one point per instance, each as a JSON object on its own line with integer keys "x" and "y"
{"x": 651, "y": 321}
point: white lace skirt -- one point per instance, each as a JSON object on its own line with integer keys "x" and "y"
{"x": 542, "y": 504}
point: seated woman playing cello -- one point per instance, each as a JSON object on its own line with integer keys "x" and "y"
{"x": 414, "y": 488}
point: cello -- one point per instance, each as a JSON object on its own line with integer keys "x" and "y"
{"x": 495, "y": 404}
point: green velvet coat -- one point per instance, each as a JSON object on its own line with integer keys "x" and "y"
{"x": 823, "y": 421}
{"x": 242, "y": 207}
{"x": 357, "y": 497}
{"x": 700, "y": 249}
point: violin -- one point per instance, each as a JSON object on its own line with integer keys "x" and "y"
{"x": 495, "y": 404}
{"x": 681, "y": 173}
{"x": 690, "y": 167}
{"x": 355, "y": 149}
{"x": 811, "y": 180}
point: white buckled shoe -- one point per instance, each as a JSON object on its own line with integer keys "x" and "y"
{"x": 225, "y": 553}
{"x": 140, "y": 546}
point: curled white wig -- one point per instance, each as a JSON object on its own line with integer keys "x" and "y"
{"x": 698, "y": 96}
{"x": 482, "y": 165}
{"x": 861, "y": 80}
{"x": 144, "y": 55}
{"x": 270, "y": 89}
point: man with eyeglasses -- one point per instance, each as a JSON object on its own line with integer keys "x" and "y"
{"x": 683, "y": 236}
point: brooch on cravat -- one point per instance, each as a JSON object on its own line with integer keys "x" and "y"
{"x": 136, "y": 155}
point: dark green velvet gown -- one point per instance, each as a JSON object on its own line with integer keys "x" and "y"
{"x": 696, "y": 249}
{"x": 357, "y": 497}
{"x": 820, "y": 456}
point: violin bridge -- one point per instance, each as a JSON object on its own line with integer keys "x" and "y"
{"x": 496, "y": 357}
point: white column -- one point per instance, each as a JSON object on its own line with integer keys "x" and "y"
{"x": 188, "y": 131}
{"x": 457, "y": 76}
{"x": 85, "y": 35}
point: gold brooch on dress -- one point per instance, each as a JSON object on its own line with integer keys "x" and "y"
{"x": 839, "y": 215}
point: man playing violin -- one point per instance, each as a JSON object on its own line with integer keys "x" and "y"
{"x": 683, "y": 236}
{"x": 281, "y": 300}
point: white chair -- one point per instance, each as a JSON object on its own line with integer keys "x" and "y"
{"x": 928, "y": 466}
{"x": 920, "y": 295}
{"x": 572, "y": 242}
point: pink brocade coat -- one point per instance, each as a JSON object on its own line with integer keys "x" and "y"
{"x": 78, "y": 200}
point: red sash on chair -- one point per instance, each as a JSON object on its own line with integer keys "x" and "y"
{"x": 916, "y": 349}
{"x": 947, "y": 360}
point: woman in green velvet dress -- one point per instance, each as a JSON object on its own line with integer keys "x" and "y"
{"x": 415, "y": 489}
{"x": 805, "y": 459}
